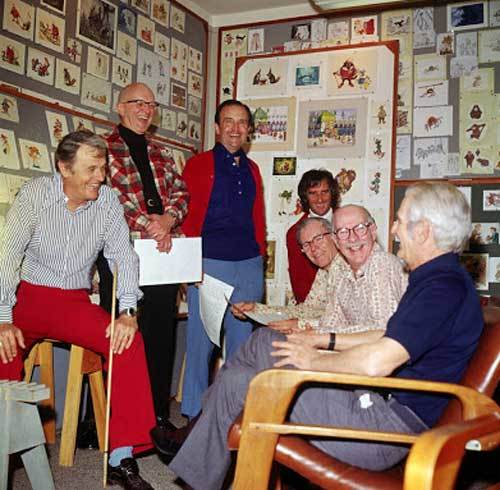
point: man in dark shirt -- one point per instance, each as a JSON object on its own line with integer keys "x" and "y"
{"x": 227, "y": 210}
{"x": 431, "y": 336}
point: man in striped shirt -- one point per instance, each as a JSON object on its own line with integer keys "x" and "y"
{"x": 54, "y": 230}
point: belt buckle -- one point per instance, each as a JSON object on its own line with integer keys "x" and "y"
{"x": 150, "y": 202}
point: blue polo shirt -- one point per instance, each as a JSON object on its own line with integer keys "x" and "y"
{"x": 228, "y": 230}
{"x": 439, "y": 322}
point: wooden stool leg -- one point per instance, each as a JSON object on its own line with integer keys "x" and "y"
{"x": 38, "y": 469}
{"x": 98, "y": 395}
{"x": 71, "y": 406}
{"x": 46, "y": 358}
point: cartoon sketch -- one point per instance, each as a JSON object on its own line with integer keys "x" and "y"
{"x": 345, "y": 179}
{"x": 475, "y": 131}
{"x": 484, "y": 162}
{"x": 378, "y": 149}
{"x": 41, "y": 67}
{"x": 381, "y": 115}
{"x": 347, "y": 73}
{"x": 475, "y": 112}
{"x": 432, "y": 123}
{"x": 285, "y": 199}
{"x": 74, "y": 50}
{"x": 469, "y": 159}
{"x": 69, "y": 81}
{"x": 10, "y": 56}
{"x": 375, "y": 183}
{"x": 270, "y": 77}
{"x": 6, "y": 104}
{"x": 24, "y": 23}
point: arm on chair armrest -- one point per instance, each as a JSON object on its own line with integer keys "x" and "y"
{"x": 271, "y": 392}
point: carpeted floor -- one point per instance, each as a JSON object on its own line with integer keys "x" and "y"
{"x": 87, "y": 471}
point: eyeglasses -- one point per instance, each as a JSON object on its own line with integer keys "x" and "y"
{"x": 359, "y": 230}
{"x": 141, "y": 104}
{"x": 317, "y": 240}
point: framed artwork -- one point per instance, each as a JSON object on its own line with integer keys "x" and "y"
{"x": 461, "y": 67}
{"x": 338, "y": 32}
{"x": 160, "y": 11}
{"x": 484, "y": 234}
{"x": 178, "y": 96}
{"x": 74, "y": 50}
{"x": 445, "y": 43}
{"x": 466, "y": 15}
{"x": 195, "y": 84}
{"x": 96, "y": 93}
{"x": 466, "y": 44}
{"x": 194, "y": 106}
{"x": 8, "y": 108}
{"x": 307, "y": 75}
{"x": 58, "y": 6}
{"x": 433, "y": 121}
{"x": 145, "y": 30}
{"x": 127, "y": 20}
{"x": 398, "y": 23}
{"x": 49, "y": 30}
{"x": 352, "y": 72}
{"x": 332, "y": 124}
{"x": 194, "y": 130}
{"x": 40, "y": 66}
{"x": 480, "y": 81}
{"x": 57, "y": 126}
{"x": 35, "y": 155}
{"x": 179, "y": 60}
{"x": 489, "y": 46}
{"x": 168, "y": 119}
{"x": 67, "y": 77}
{"x": 491, "y": 200}
{"x": 195, "y": 60}
{"x": 142, "y": 5}
{"x": 264, "y": 77}
{"x": 284, "y": 165}
{"x": 8, "y": 150}
{"x": 19, "y": 18}
{"x": 162, "y": 45}
{"x": 364, "y": 29}
{"x": 318, "y": 30}
{"x": 14, "y": 183}
{"x": 126, "y": 48}
{"x": 274, "y": 123}
{"x": 182, "y": 126}
{"x": 431, "y": 93}
{"x": 177, "y": 19}
{"x": 301, "y": 32}
{"x": 81, "y": 123}
{"x": 12, "y": 55}
{"x": 283, "y": 199}
{"x": 430, "y": 67}
{"x": 122, "y": 73}
{"x": 477, "y": 266}
{"x": 97, "y": 63}
{"x": 96, "y": 23}
{"x": 255, "y": 41}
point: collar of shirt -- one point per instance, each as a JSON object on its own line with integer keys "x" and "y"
{"x": 57, "y": 195}
{"x": 222, "y": 153}
{"x": 441, "y": 262}
{"x": 328, "y": 216}
{"x": 362, "y": 270}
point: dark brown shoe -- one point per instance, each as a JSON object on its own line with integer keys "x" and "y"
{"x": 127, "y": 475}
{"x": 168, "y": 442}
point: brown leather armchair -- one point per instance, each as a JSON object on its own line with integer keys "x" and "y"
{"x": 481, "y": 377}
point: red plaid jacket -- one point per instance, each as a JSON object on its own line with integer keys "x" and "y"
{"x": 124, "y": 177}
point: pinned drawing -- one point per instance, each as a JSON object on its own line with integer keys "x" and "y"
{"x": 430, "y": 67}
{"x": 96, "y": 93}
{"x": 445, "y": 43}
{"x": 97, "y": 63}
{"x": 8, "y": 108}
{"x": 352, "y": 72}
{"x": 40, "y": 66}
{"x": 34, "y": 155}
{"x": 97, "y": 23}
{"x": 126, "y": 48}
{"x": 428, "y": 94}
{"x": 57, "y": 126}
{"x": 19, "y": 18}
{"x": 74, "y": 50}
{"x": 145, "y": 30}
{"x": 433, "y": 121}
{"x": 49, "y": 31}
{"x": 8, "y": 150}
{"x": 261, "y": 77}
{"x": 12, "y": 55}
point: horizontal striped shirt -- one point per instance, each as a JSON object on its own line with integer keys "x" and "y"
{"x": 46, "y": 244}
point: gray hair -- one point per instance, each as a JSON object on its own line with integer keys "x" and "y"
{"x": 305, "y": 222}
{"x": 445, "y": 208}
{"x": 69, "y": 145}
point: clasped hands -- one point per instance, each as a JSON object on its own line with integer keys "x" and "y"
{"x": 159, "y": 228}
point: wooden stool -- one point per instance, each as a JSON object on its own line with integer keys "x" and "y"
{"x": 81, "y": 361}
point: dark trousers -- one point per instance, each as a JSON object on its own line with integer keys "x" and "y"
{"x": 157, "y": 312}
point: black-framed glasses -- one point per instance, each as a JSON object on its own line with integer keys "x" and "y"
{"x": 317, "y": 240}
{"x": 359, "y": 230}
{"x": 141, "y": 104}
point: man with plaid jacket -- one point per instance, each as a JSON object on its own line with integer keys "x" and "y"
{"x": 155, "y": 199}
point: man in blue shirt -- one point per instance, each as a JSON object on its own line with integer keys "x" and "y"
{"x": 431, "y": 336}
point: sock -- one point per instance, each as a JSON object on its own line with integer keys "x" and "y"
{"x": 118, "y": 454}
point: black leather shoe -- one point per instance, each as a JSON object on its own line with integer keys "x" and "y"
{"x": 168, "y": 442}
{"x": 127, "y": 475}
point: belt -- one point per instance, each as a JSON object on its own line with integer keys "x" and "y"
{"x": 408, "y": 416}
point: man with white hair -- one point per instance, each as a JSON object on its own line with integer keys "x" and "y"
{"x": 431, "y": 336}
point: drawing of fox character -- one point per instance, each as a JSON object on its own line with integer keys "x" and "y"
{"x": 347, "y": 73}
{"x": 433, "y": 122}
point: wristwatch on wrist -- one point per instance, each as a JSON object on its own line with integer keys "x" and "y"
{"x": 129, "y": 312}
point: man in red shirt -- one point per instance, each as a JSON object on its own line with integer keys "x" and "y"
{"x": 319, "y": 196}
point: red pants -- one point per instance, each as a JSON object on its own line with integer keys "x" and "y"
{"x": 69, "y": 316}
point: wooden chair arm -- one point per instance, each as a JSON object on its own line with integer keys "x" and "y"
{"x": 434, "y": 459}
{"x": 271, "y": 392}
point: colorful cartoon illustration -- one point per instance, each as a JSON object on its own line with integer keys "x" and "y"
{"x": 69, "y": 81}
{"x": 23, "y": 23}
{"x": 433, "y": 122}
{"x": 10, "y": 56}
{"x": 41, "y": 67}
{"x": 378, "y": 149}
{"x": 475, "y": 131}
{"x": 381, "y": 115}
{"x": 375, "y": 183}
{"x": 345, "y": 179}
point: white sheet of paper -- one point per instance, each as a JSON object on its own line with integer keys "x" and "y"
{"x": 213, "y": 304}
{"x": 181, "y": 264}
{"x": 266, "y": 319}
